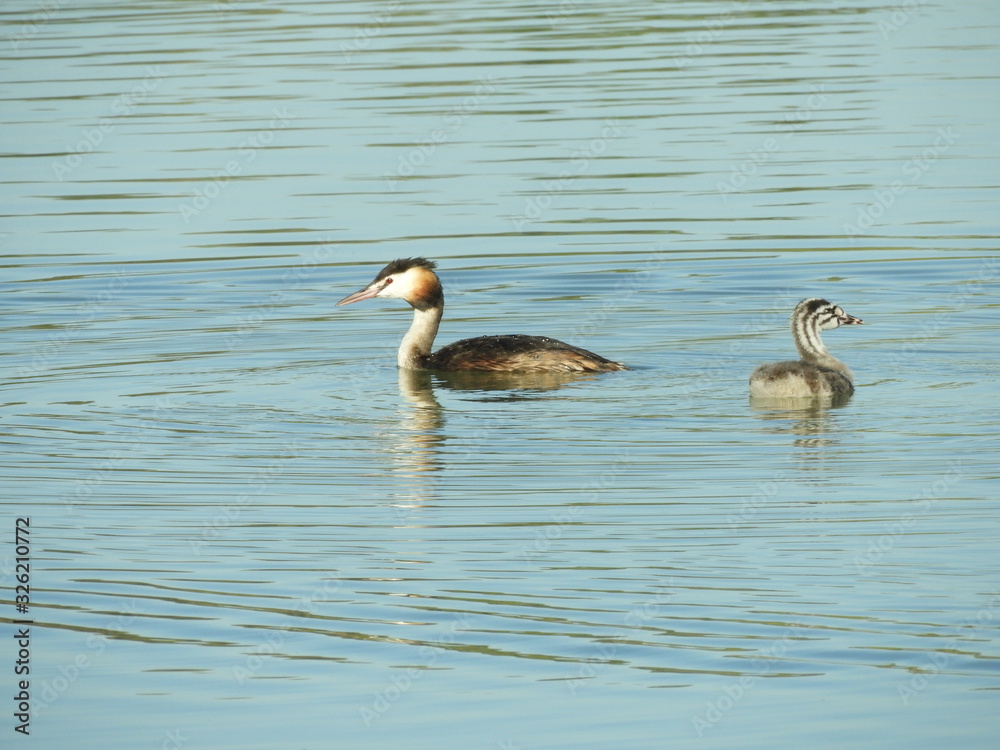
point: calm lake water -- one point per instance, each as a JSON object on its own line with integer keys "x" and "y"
{"x": 249, "y": 530}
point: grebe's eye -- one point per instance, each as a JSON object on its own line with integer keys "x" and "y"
{"x": 388, "y": 281}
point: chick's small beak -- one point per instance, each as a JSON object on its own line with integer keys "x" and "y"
{"x": 367, "y": 293}
{"x": 850, "y": 320}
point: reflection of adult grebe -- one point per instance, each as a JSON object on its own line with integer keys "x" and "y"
{"x": 818, "y": 373}
{"x": 414, "y": 280}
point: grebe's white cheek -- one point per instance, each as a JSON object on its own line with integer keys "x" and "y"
{"x": 389, "y": 289}
{"x": 404, "y": 286}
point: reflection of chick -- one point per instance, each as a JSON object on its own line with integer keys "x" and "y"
{"x": 414, "y": 280}
{"x": 818, "y": 373}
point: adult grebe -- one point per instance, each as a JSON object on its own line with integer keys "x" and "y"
{"x": 818, "y": 373}
{"x": 414, "y": 280}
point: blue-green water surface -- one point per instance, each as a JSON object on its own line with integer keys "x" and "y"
{"x": 250, "y": 530}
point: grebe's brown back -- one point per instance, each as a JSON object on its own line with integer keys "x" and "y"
{"x": 818, "y": 373}
{"x": 414, "y": 280}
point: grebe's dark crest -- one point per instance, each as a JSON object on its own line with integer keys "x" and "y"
{"x": 818, "y": 373}
{"x": 414, "y": 280}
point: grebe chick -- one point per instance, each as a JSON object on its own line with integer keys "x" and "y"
{"x": 818, "y": 373}
{"x": 414, "y": 280}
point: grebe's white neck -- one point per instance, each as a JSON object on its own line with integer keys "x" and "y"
{"x": 809, "y": 318}
{"x": 416, "y": 345}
